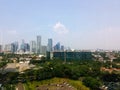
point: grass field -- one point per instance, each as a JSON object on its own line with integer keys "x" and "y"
{"x": 55, "y": 84}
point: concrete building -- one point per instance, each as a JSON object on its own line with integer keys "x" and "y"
{"x": 8, "y": 48}
{"x": 43, "y": 50}
{"x": 70, "y": 55}
{"x": 38, "y": 44}
{"x": 32, "y": 47}
{"x": 0, "y": 48}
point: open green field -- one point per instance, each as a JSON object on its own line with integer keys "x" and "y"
{"x": 55, "y": 84}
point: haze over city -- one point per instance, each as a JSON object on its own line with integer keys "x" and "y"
{"x": 79, "y": 24}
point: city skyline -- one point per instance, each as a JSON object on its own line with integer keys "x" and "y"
{"x": 32, "y": 47}
{"x": 75, "y": 23}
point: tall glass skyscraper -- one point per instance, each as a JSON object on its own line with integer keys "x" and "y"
{"x": 50, "y": 45}
{"x": 57, "y": 47}
{"x": 22, "y": 46}
{"x": 38, "y": 44}
{"x": 14, "y": 47}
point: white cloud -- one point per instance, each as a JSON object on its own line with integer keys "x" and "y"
{"x": 60, "y": 28}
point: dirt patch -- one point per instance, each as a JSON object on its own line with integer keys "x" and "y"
{"x": 20, "y": 86}
{"x": 60, "y": 86}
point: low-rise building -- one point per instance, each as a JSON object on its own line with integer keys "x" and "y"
{"x": 70, "y": 55}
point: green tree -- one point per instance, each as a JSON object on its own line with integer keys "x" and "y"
{"x": 92, "y": 83}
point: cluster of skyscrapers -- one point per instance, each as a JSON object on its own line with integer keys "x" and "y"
{"x": 35, "y": 46}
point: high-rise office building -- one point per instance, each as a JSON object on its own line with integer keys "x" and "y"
{"x": 62, "y": 48}
{"x": 43, "y": 50}
{"x": 57, "y": 47}
{"x": 25, "y": 47}
{"x": 38, "y": 44}
{"x": 14, "y": 47}
{"x": 50, "y": 45}
{"x": 8, "y": 48}
{"x": 33, "y": 46}
{"x": 22, "y": 46}
{"x": 0, "y": 48}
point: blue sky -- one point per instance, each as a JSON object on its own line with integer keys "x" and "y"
{"x": 79, "y": 24}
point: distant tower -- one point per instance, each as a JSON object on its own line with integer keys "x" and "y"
{"x": 8, "y": 48}
{"x": 43, "y": 50}
{"x": 1, "y": 41}
{"x": 50, "y": 45}
{"x": 57, "y": 47}
{"x": 33, "y": 47}
{"x": 14, "y": 46}
{"x": 62, "y": 48}
{"x": 1, "y": 38}
{"x": 0, "y": 48}
{"x": 27, "y": 47}
{"x": 22, "y": 46}
{"x": 38, "y": 44}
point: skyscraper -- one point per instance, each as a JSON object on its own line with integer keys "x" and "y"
{"x": 22, "y": 46}
{"x": 62, "y": 48}
{"x": 43, "y": 50}
{"x": 33, "y": 46}
{"x": 50, "y": 45}
{"x": 14, "y": 47}
{"x": 38, "y": 44}
{"x": 27, "y": 47}
{"x": 0, "y": 48}
{"x": 8, "y": 48}
{"x": 57, "y": 47}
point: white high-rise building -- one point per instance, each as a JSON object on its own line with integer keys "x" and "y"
{"x": 8, "y": 48}
{"x": 43, "y": 50}
{"x": 33, "y": 46}
{"x": 38, "y": 44}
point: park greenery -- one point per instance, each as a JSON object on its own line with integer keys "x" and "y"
{"x": 51, "y": 83}
{"x": 2, "y": 64}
